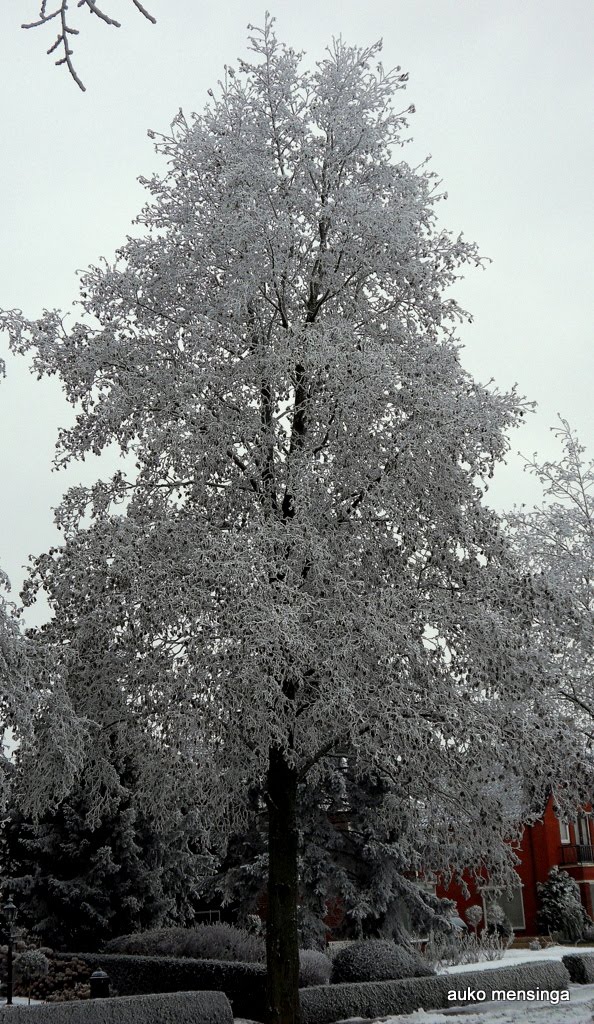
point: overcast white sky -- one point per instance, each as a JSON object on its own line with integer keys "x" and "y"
{"x": 504, "y": 91}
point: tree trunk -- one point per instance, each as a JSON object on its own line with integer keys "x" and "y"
{"x": 282, "y": 943}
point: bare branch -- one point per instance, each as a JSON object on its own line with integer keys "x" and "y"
{"x": 67, "y": 29}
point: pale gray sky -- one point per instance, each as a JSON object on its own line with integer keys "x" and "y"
{"x": 504, "y": 91}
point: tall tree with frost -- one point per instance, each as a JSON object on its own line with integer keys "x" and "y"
{"x": 304, "y": 565}
{"x": 556, "y": 540}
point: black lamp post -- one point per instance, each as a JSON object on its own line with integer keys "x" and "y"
{"x": 9, "y": 911}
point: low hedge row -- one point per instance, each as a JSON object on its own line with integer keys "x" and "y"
{"x": 326, "y": 1003}
{"x": 580, "y": 967}
{"x": 243, "y": 984}
{"x": 165, "y": 1008}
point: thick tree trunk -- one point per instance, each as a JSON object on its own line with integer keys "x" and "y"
{"x": 282, "y": 943}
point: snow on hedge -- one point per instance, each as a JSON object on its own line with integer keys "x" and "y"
{"x": 164, "y": 1008}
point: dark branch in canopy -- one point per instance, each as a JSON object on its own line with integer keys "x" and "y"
{"x": 63, "y": 40}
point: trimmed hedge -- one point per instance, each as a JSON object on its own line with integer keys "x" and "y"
{"x": 580, "y": 967}
{"x": 243, "y": 984}
{"x": 378, "y": 960}
{"x": 324, "y": 1004}
{"x": 166, "y": 1008}
{"x": 218, "y": 941}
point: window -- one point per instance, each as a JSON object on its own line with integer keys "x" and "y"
{"x": 513, "y": 907}
{"x": 564, "y": 830}
{"x": 583, "y": 830}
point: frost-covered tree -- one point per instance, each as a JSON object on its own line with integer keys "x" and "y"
{"x": 360, "y": 844}
{"x": 302, "y": 563}
{"x": 556, "y": 540}
{"x": 29, "y": 966}
{"x": 474, "y": 916}
{"x": 59, "y": 15}
{"x": 81, "y": 879}
{"x": 100, "y": 862}
{"x": 36, "y": 713}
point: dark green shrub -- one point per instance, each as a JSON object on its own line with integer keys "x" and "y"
{"x": 243, "y": 984}
{"x": 377, "y": 960}
{"x": 580, "y": 967}
{"x": 205, "y": 942}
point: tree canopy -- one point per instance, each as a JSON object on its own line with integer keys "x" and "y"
{"x": 302, "y": 563}
{"x": 556, "y": 541}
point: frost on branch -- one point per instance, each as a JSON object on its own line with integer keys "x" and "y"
{"x": 38, "y": 713}
{"x": 66, "y": 31}
{"x": 555, "y": 541}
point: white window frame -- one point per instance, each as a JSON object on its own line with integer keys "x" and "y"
{"x": 564, "y": 832}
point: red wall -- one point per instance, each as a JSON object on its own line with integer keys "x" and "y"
{"x": 539, "y": 851}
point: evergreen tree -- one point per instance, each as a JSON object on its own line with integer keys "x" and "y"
{"x": 81, "y": 878}
{"x": 561, "y": 909}
{"x": 366, "y": 855}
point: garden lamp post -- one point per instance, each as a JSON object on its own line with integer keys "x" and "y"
{"x": 9, "y": 911}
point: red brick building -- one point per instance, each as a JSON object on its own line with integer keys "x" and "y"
{"x": 546, "y": 844}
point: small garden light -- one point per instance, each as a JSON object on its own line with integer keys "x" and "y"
{"x": 10, "y": 911}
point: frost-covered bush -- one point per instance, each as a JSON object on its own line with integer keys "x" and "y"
{"x": 499, "y": 924}
{"x": 455, "y": 947}
{"x": 66, "y": 978}
{"x": 474, "y": 915}
{"x": 28, "y": 967}
{"x": 561, "y": 908}
{"x": 205, "y": 942}
{"x": 377, "y": 960}
{"x": 315, "y": 968}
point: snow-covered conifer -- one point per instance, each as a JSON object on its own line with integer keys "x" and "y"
{"x": 561, "y": 908}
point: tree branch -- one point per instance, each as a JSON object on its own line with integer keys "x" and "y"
{"x": 67, "y": 29}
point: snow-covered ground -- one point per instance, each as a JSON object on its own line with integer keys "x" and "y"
{"x": 511, "y": 957}
{"x": 579, "y": 1009}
